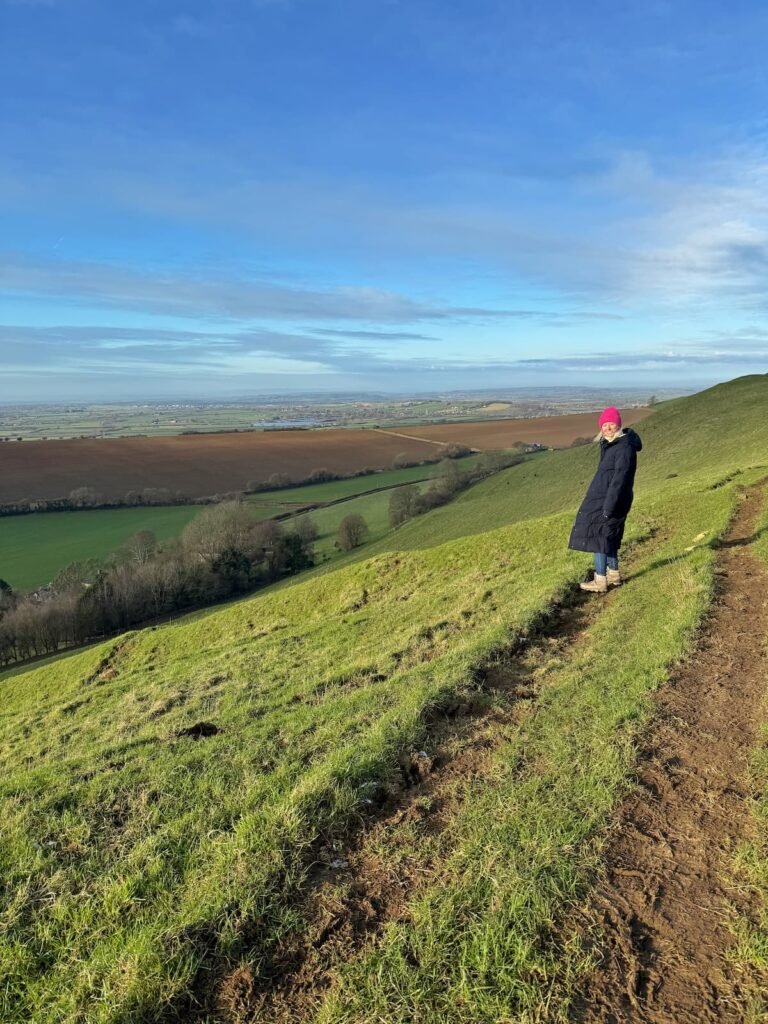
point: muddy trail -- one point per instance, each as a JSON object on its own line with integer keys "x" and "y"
{"x": 357, "y": 886}
{"x": 667, "y": 907}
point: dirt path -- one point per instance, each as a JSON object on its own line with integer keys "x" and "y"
{"x": 669, "y": 901}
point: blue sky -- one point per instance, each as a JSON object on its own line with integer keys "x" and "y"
{"x": 223, "y": 199}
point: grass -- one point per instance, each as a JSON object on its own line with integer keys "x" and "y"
{"x": 140, "y": 865}
{"x": 334, "y": 489}
{"x": 134, "y": 857}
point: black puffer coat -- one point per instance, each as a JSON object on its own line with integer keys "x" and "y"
{"x": 600, "y": 521}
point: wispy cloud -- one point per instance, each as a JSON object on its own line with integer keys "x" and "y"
{"x": 153, "y": 351}
{"x": 114, "y": 350}
{"x": 689, "y": 233}
{"x": 203, "y": 296}
{"x": 374, "y": 335}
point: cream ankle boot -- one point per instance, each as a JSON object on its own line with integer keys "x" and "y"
{"x": 598, "y": 585}
{"x": 613, "y": 578}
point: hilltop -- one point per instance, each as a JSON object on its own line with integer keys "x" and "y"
{"x": 183, "y": 807}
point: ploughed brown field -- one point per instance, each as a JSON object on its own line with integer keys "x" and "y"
{"x": 203, "y": 464}
{"x": 553, "y": 431}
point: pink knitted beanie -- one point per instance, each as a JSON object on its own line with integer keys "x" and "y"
{"x": 610, "y": 415}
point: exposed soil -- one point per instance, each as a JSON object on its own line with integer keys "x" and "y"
{"x": 667, "y": 907}
{"x": 355, "y": 888}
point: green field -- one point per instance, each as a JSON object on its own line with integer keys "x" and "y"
{"x": 143, "y": 866}
{"x": 334, "y": 489}
{"x": 33, "y": 548}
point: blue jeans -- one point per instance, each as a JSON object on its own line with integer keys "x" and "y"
{"x": 603, "y": 562}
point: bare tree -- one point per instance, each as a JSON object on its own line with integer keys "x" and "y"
{"x": 142, "y": 546}
{"x": 319, "y": 476}
{"x": 306, "y": 528}
{"x": 352, "y": 532}
{"x": 76, "y": 577}
{"x": 85, "y": 497}
{"x": 219, "y": 528}
{"x": 450, "y": 478}
{"x": 403, "y": 504}
{"x": 454, "y": 450}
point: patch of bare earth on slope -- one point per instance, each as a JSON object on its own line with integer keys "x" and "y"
{"x": 356, "y": 887}
{"x": 667, "y": 908}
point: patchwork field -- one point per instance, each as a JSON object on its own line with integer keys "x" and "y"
{"x": 382, "y": 793}
{"x": 201, "y": 464}
{"x": 33, "y": 548}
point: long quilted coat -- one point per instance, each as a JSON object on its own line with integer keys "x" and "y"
{"x": 600, "y": 521}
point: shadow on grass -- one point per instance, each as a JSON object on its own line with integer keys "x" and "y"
{"x": 718, "y": 544}
{"x": 739, "y": 542}
{"x": 660, "y": 563}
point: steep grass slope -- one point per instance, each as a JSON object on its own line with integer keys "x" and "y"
{"x": 159, "y": 792}
{"x": 162, "y": 794}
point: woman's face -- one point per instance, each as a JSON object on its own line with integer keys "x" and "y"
{"x": 610, "y": 430}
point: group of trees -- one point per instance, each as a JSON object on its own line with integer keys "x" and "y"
{"x": 222, "y": 552}
{"x": 407, "y": 502}
{"x": 279, "y": 481}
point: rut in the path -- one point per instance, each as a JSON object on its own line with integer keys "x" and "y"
{"x": 668, "y": 904}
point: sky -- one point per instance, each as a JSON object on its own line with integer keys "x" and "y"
{"x": 217, "y": 200}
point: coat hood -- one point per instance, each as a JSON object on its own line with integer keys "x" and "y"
{"x": 633, "y": 439}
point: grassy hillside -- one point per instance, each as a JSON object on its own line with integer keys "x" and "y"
{"x": 178, "y": 840}
{"x": 165, "y": 794}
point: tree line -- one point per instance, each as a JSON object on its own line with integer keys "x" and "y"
{"x": 221, "y": 553}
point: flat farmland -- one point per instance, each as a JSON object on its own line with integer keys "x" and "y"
{"x": 194, "y": 464}
{"x": 203, "y": 464}
{"x": 553, "y": 431}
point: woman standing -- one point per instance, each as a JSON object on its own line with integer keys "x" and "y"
{"x": 599, "y": 525}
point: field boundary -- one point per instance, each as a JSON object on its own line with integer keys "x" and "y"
{"x": 414, "y": 437}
